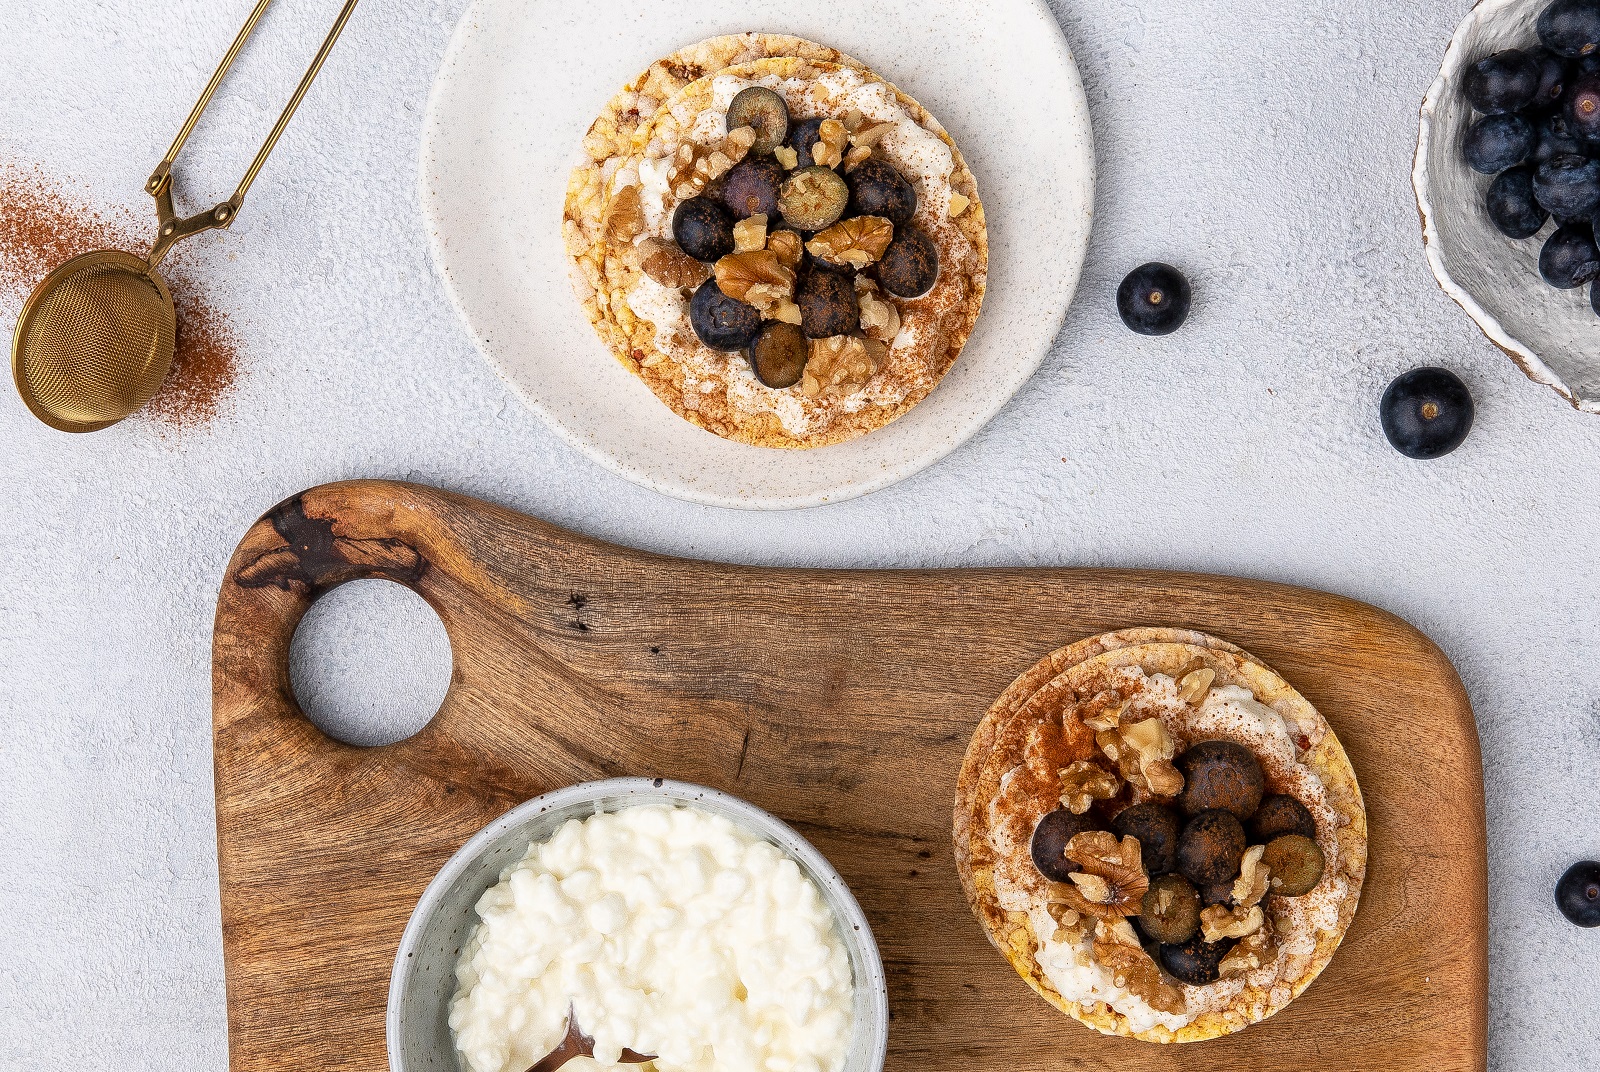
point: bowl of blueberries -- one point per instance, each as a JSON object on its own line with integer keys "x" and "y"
{"x": 1507, "y": 178}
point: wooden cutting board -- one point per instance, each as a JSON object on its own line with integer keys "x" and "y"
{"x": 839, "y": 700}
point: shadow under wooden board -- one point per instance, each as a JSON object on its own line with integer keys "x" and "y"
{"x": 841, "y": 701}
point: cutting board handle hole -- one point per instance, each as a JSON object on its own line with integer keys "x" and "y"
{"x": 370, "y": 663}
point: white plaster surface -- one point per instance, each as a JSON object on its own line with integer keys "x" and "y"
{"x": 1264, "y": 147}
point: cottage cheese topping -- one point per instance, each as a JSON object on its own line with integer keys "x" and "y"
{"x": 915, "y": 357}
{"x": 671, "y": 932}
{"x": 1231, "y": 713}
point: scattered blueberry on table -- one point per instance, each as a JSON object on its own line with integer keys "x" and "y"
{"x": 1154, "y": 299}
{"x": 1539, "y": 135}
{"x": 1426, "y": 412}
{"x": 1578, "y": 893}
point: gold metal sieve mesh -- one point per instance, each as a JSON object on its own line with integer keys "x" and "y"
{"x": 95, "y": 342}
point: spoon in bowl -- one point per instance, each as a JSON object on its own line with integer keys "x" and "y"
{"x": 577, "y": 1044}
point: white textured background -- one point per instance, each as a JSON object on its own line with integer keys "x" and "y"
{"x": 1264, "y": 147}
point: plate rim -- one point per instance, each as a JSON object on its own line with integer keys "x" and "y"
{"x": 855, "y": 486}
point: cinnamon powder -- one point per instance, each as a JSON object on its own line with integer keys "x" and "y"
{"x": 43, "y": 224}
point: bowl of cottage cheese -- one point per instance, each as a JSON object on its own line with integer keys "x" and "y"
{"x": 673, "y": 920}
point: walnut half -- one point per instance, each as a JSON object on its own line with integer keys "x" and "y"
{"x": 1084, "y": 782}
{"x": 1117, "y": 949}
{"x": 1111, "y": 883}
{"x": 856, "y": 242}
{"x": 840, "y": 365}
{"x": 756, "y": 278}
{"x": 1249, "y": 953}
{"x": 1218, "y": 922}
{"x": 1143, "y": 753}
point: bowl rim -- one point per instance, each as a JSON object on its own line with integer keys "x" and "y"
{"x": 1525, "y": 359}
{"x": 854, "y": 927}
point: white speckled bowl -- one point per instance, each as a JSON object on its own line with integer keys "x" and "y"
{"x": 522, "y": 81}
{"x": 424, "y": 977}
{"x": 1552, "y": 335}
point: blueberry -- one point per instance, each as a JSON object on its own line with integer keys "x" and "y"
{"x": 802, "y": 136}
{"x": 1511, "y": 204}
{"x": 703, "y": 229}
{"x": 1504, "y": 82}
{"x": 1578, "y": 894}
{"x": 1552, "y": 79}
{"x": 1426, "y": 412}
{"x": 1497, "y": 142}
{"x": 1553, "y": 139}
{"x": 721, "y": 322}
{"x": 751, "y": 188}
{"x": 1594, "y": 300}
{"x": 1571, "y": 27}
{"x": 1568, "y": 186}
{"x": 1048, "y": 846}
{"x": 878, "y": 189}
{"x": 763, "y": 110}
{"x": 1569, "y": 258}
{"x": 1197, "y": 961}
{"x": 1154, "y": 299}
{"x": 1581, "y": 108}
{"x": 910, "y": 266}
{"x": 828, "y": 305}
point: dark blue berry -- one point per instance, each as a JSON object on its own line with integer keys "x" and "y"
{"x": 1511, "y": 204}
{"x": 1497, "y": 142}
{"x": 751, "y": 188}
{"x": 878, "y": 189}
{"x": 703, "y": 229}
{"x": 1570, "y": 27}
{"x": 721, "y": 322}
{"x": 1154, "y": 299}
{"x": 1426, "y": 412}
{"x": 1568, "y": 186}
{"x": 1569, "y": 258}
{"x": 828, "y": 304}
{"x": 1578, "y": 893}
{"x": 1553, "y": 139}
{"x": 1197, "y": 961}
{"x": 1552, "y": 80}
{"x": 910, "y": 266}
{"x": 1504, "y": 82}
{"x": 802, "y": 136}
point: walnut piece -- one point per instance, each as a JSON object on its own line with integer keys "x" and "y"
{"x": 1156, "y": 749}
{"x": 858, "y": 155}
{"x": 625, "y": 216}
{"x": 1218, "y": 922}
{"x": 786, "y": 311}
{"x": 1103, "y": 712}
{"x": 1249, "y": 953}
{"x": 869, "y": 135}
{"x": 1084, "y": 782}
{"x": 832, "y": 137}
{"x": 750, "y": 234}
{"x": 1112, "y": 882}
{"x": 669, "y": 265}
{"x": 856, "y": 242}
{"x": 1117, "y": 948}
{"x": 1251, "y": 885}
{"x": 838, "y": 366}
{"x": 695, "y": 167}
{"x": 787, "y": 157}
{"x": 880, "y": 318}
{"x": 1193, "y": 686}
{"x": 787, "y": 246}
{"x": 853, "y": 118}
{"x": 736, "y": 146}
{"x": 756, "y": 278}
{"x": 959, "y": 203}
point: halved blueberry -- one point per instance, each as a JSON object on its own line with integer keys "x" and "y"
{"x": 1496, "y": 142}
{"x": 1503, "y": 82}
{"x": 763, "y": 110}
{"x": 1512, "y": 206}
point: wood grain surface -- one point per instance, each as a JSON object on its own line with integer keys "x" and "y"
{"x": 839, "y": 700}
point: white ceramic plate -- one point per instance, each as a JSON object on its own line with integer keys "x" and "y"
{"x": 1552, "y": 335}
{"x": 522, "y": 81}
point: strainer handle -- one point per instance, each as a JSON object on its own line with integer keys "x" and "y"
{"x": 159, "y": 185}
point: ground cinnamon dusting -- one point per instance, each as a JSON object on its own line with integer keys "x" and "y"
{"x": 44, "y": 223}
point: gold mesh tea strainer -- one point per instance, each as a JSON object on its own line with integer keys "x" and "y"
{"x": 95, "y": 338}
